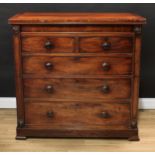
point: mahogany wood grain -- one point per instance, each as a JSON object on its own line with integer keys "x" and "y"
{"x": 136, "y": 80}
{"x": 77, "y": 65}
{"x": 77, "y": 74}
{"x": 77, "y": 34}
{"x": 116, "y": 44}
{"x": 80, "y": 42}
{"x": 146, "y": 143}
{"x": 18, "y": 74}
{"x": 77, "y": 89}
{"x": 77, "y": 28}
{"x": 76, "y": 18}
{"x": 69, "y": 115}
{"x": 116, "y": 55}
{"x": 37, "y": 44}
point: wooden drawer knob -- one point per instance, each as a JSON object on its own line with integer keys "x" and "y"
{"x": 48, "y": 65}
{"x": 48, "y": 45}
{"x": 106, "y": 45}
{"x": 50, "y": 114}
{"x": 49, "y": 88}
{"x": 104, "y": 115}
{"x": 106, "y": 66}
{"x": 105, "y": 89}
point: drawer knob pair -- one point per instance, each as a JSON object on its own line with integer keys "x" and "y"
{"x": 48, "y": 65}
{"x": 106, "y": 66}
{"x": 106, "y": 45}
{"x": 49, "y": 88}
{"x": 50, "y": 114}
{"x": 48, "y": 45}
{"x": 105, "y": 89}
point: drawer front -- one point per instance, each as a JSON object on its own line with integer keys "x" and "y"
{"x": 45, "y": 44}
{"x": 97, "y": 65}
{"x": 77, "y": 89}
{"x": 106, "y": 44}
{"x": 96, "y": 115}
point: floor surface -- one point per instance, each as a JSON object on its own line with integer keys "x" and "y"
{"x": 8, "y": 142}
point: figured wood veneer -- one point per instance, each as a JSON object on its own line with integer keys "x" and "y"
{"x": 77, "y": 74}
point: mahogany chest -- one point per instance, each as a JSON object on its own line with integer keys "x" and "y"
{"x": 77, "y": 74}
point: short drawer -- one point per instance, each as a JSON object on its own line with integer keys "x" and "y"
{"x": 77, "y": 89}
{"x": 46, "y": 44}
{"x": 84, "y": 65}
{"x": 107, "y": 44}
{"x": 92, "y": 115}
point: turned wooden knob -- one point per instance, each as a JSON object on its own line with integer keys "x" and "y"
{"x": 49, "y": 88}
{"x": 106, "y": 66}
{"x": 105, "y": 89}
{"x": 48, "y": 65}
{"x": 50, "y": 114}
{"x": 106, "y": 45}
{"x": 104, "y": 114}
{"x": 48, "y": 45}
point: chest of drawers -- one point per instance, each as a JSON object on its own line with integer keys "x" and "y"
{"x": 77, "y": 74}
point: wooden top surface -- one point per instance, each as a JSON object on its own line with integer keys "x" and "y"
{"x": 76, "y": 18}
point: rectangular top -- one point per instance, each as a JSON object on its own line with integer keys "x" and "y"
{"x": 76, "y": 18}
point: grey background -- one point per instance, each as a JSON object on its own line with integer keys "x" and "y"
{"x": 147, "y": 82}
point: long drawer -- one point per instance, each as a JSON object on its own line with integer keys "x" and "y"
{"x": 77, "y": 89}
{"x": 76, "y": 115}
{"x": 74, "y": 65}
